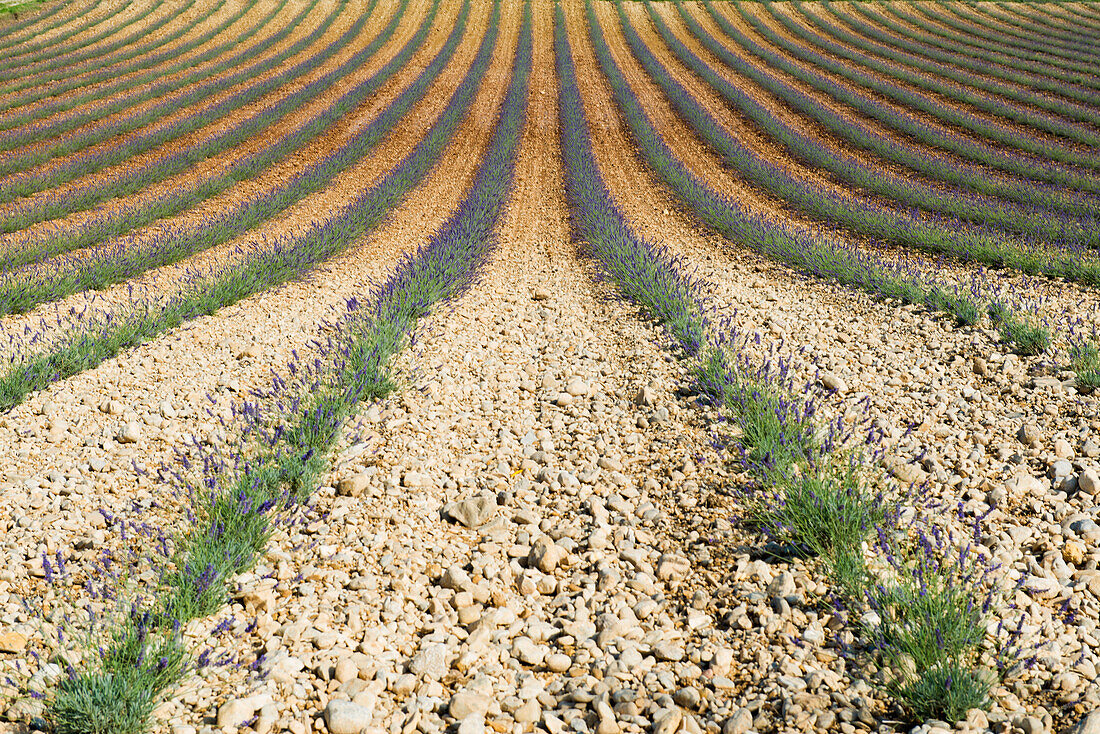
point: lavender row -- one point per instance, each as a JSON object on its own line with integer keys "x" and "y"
{"x": 892, "y": 225}
{"x": 1075, "y": 224}
{"x": 812, "y": 254}
{"x": 55, "y": 67}
{"x": 51, "y": 46}
{"x": 123, "y": 218}
{"x": 811, "y": 490}
{"x": 977, "y": 25}
{"x": 95, "y": 338}
{"x": 947, "y": 63}
{"x": 961, "y": 27}
{"x": 238, "y": 501}
{"x": 83, "y": 114}
{"x": 1076, "y": 18}
{"x": 13, "y": 187}
{"x": 854, "y": 131}
{"x": 884, "y": 57}
{"x": 10, "y": 34}
{"x": 1046, "y": 27}
{"x": 53, "y": 92}
{"x": 1020, "y": 155}
{"x": 1002, "y": 61}
{"x": 121, "y": 259}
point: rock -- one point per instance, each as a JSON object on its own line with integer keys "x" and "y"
{"x": 668, "y": 651}
{"x": 1024, "y": 484}
{"x": 345, "y": 717}
{"x": 455, "y": 578}
{"x": 546, "y": 555}
{"x": 739, "y": 723}
{"x": 1088, "y": 482}
{"x": 467, "y": 703}
{"x": 237, "y": 711}
{"x": 529, "y": 713}
{"x": 673, "y": 568}
{"x": 472, "y": 725}
{"x": 833, "y": 383}
{"x": 352, "y": 486}
{"x": 403, "y": 685}
{"x": 430, "y": 662}
{"x": 12, "y": 642}
{"x": 687, "y": 697}
{"x": 1028, "y": 435}
{"x": 667, "y": 721}
{"x": 647, "y": 396}
{"x": 1063, "y": 449}
{"x": 558, "y": 662}
{"x": 782, "y": 586}
{"x": 472, "y": 512}
{"x": 130, "y": 433}
{"x": 1088, "y": 725}
{"x": 526, "y": 651}
{"x": 1030, "y": 725}
{"x": 542, "y": 293}
{"x": 346, "y": 669}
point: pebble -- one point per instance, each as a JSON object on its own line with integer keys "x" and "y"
{"x": 345, "y": 717}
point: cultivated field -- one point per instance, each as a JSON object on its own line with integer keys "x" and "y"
{"x": 588, "y": 367}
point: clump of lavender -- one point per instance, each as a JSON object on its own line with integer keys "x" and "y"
{"x": 1084, "y": 357}
{"x": 928, "y": 621}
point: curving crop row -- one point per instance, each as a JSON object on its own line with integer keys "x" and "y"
{"x": 1075, "y": 224}
{"x": 856, "y": 213}
{"x": 55, "y": 91}
{"x": 1047, "y": 28}
{"x": 814, "y": 70}
{"x": 966, "y": 29}
{"x": 1078, "y": 18}
{"x": 84, "y": 114}
{"x": 1003, "y": 61}
{"x": 983, "y": 130}
{"x": 988, "y": 25}
{"x": 797, "y": 247}
{"x": 852, "y": 130}
{"x": 115, "y": 262}
{"x": 1029, "y": 75}
{"x": 879, "y": 52}
{"x": 10, "y": 33}
{"x": 51, "y": 44}
{"x": 55, "y": 67}
{"x": 122, "y": 219}
{"x": 12, "y": 187}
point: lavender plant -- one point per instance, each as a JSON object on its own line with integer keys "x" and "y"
{"x": 929, "y": 620}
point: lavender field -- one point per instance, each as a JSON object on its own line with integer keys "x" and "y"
{"x": 573, "y": 366}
